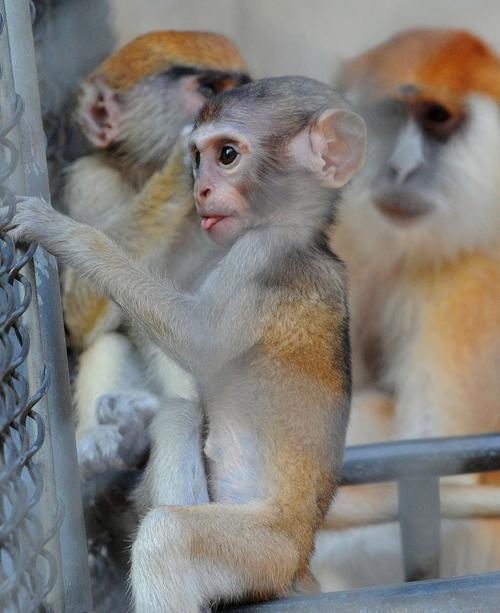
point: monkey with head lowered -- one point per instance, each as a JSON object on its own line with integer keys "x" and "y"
{"x": 59, "y": 25}
{"x": 132, "y": 110}
{"x": 420, "y": 239}
{"x": 263, "y": 328}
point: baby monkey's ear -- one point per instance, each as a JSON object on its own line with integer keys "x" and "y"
{"x": 333, "y": 147}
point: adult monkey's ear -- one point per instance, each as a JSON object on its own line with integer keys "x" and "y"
{"x": 333, "y": 147}
{"x": 99, "y": 112}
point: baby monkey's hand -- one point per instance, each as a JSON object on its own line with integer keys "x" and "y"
{"x": 34, "y": 220}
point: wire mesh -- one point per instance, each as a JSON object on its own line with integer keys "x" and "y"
{"x": 27, "y": 568}
{"x": 34, "y": 474}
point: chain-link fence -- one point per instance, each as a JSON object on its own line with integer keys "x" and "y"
{"x": 27, "y": 569}
{"x": 42, "y": 544}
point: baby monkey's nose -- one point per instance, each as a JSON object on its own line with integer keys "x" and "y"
{"x": 203, "y": 194}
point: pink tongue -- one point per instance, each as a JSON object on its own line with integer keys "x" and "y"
{"x": 209, "y": 222}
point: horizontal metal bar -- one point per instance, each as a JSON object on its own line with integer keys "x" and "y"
{"x": 421, "y": 457}
{"x": 471, "y": 593}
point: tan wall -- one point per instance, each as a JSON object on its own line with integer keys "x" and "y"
{"x": 304, "y": 36}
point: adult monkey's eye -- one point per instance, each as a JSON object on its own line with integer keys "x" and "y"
{"x": 197, "y": 158}
{"x": 228, "y": 154}
{"x": 439, "y": 121}
{"x": 437, "y": 114}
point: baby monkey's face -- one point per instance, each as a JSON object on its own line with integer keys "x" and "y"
{"x": 257, "y": 148}
{"x": 222, "y": 164}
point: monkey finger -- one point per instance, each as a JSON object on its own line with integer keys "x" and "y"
{"x": 20, "y": 233}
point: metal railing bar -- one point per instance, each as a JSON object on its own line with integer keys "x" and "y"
{"x": 421, "y": 457}
{"x": 459, "y": 594}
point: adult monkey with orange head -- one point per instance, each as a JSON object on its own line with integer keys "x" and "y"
{"x": 431, "y": 203}
{"x": 132, "y": 110}
{"x": 263, "y": 329}
{"x": 421, "y": 242}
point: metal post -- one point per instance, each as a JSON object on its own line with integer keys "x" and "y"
{"x": 44, "y": 321}
{"x": 419, "y": 521}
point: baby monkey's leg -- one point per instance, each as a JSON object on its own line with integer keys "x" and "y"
{"x": 175, "y": 473}
{"x": 186, "y": 557}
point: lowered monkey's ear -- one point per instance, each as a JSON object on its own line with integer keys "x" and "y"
{"x": 99, "y": 112}
{"x": 333, "y": 147}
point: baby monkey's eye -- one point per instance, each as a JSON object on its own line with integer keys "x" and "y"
{"x": 228, "y": 155}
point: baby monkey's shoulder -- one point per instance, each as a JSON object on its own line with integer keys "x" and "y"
{"x": 308, "y": 274}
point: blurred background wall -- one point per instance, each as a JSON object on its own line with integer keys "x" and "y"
{"x": 304, "y": 36}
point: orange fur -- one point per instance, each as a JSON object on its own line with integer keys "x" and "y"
{"x": 490, "y": 478}
{"x": 300, "y": 337}
{"x": 159, "y": 51}
{"x": 85, "y": 312}
{"x": 461, "y": 331}
{"x": 464, "y": 299}
{"x": 154, "y": 216}
{"x": 442, "y": 65}
{"x": 305, "y": 339}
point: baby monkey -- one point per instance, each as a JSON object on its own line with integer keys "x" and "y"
{"x": 264, "y": 332}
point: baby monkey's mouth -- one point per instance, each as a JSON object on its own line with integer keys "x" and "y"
{"x": 402, "y": 208}
{"x": 209, "y": 221}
